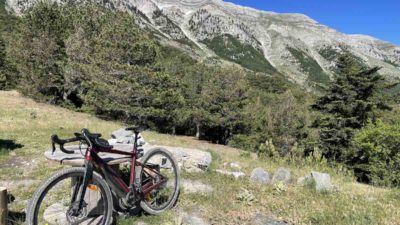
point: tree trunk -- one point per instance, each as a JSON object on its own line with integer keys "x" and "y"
{"x": 173, "y": 130}
{"x": 3, "y": 206}
{"x": 197, "y": 131}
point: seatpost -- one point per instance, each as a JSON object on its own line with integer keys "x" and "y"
{"x": 136, "y": 140}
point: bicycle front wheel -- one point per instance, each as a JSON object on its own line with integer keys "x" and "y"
{"x": 159, "y": 164}
{"x": 52, "y": 202}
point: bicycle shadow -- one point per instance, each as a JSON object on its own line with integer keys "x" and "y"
{"x": 9, "y": 145}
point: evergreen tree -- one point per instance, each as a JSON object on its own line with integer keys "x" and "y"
{"x": 3, "y": 78}
{"x": 347, "y": 106}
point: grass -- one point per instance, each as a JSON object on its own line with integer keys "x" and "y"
{"x": 228, "y": 47}
{"x": 30, "y": 124}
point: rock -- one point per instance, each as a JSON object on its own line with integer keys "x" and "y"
{"x": 321, "y": 181}
{"x": 259, "y": 175}
{"x": 190, "y": 186}
{"x": 121, "y": 133}
{"x": 191, "y": 219}
{"x": 301, "y": 181}
{"x": 281, "y": 175}
{"x": 229, "y": 173}
{"x": 233, "y": 165}
{"x": 264, "y": 220}
{"x": 56, "y": 214}
{"x": 191, "y": 160}
{"x": 122, "y": 136}
{"x": 190, "y": 166}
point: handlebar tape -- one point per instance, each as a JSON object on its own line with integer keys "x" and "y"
{"x": 61, "y": 142}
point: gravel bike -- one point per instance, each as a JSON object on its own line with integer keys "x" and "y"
{"x": 89, "y": 194}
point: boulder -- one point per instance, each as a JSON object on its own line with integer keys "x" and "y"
{"x": 322, "y": 181}
{"x": 190, "y": 160}
{"x": 191, "y": 219}
{"x": 121, "y": 133}
{"x": 265, "y": 220}
{"x": 237, "y": 175}
{"x": 259, "y": 175}
{"x": 190, "y": 186}
{"x": 122, "y": 136}
{"x": 281, "y": 175}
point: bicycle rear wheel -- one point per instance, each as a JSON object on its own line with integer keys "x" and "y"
{"x": 53, "y": 200}
{"x": 159, "y": 162}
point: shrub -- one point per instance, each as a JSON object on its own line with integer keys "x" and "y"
{"x": 376, "y": 154}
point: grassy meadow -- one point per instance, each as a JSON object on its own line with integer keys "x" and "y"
{"x": 26, "y": 127}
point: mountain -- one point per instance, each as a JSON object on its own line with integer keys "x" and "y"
{"x": 215, "y": 31}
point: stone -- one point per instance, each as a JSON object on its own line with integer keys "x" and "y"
{"x": 237, "y": 175}
{"x": 190, "y": 166}
{"x": 190, "y": 160}
{"x": 122, "y": 136}
{"x": 259, "y": 175}
{"x": 190, "y": 186}
{"x": 121, "y": 133}
{"x": 281, "y": 175}
{"x": 56, "y": 214}
{"x": 233, "y": 166}
{"x": 322, "y": 181}
{"x": 191, "y": 219}
{"x": 301, "y": 181}
{"x": 265, "y": 220}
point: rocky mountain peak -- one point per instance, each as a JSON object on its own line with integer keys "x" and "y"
{"x": 290, "y": 44}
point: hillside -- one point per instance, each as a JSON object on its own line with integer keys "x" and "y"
{"x": 220, "y": 32}
{"x": 25, "y": 128}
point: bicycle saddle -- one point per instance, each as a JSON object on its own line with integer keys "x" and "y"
{"x": 96, "y": 140}
{"x": 135, "y": 129}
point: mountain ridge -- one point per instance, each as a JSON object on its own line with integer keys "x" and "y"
{"x": 292, "y": 44}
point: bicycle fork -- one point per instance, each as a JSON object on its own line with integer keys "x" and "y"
{"x": 79, "y": 192}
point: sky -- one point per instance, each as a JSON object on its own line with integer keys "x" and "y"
{"x": 377, "y": 18}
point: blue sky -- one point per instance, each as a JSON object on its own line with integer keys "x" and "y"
{"x": 377, "y": 18}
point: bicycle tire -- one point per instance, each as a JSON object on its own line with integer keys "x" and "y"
{"x": 174, "y": 164}
{"x": 40, "y": 193}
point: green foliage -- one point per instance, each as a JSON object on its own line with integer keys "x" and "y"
{"x": 97, "y": 60}
{"x": 7, "y": 21}
{"x": 329, "y": 53}
{"x": 346, "y": 107}
{"x": 310, "y": 66}
{"x": 334, "y": 55}
{"x": 376, "y": 154}
{"x": 267, "y": 149}
{"x": 230, "y": 48}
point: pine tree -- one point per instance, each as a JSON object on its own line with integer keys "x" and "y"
{"x": 347, "y": 106}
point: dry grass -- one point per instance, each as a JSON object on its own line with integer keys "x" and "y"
{"x": 30, "y": 124}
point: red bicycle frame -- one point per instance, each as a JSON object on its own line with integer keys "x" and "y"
{"x": 114, "y": 179}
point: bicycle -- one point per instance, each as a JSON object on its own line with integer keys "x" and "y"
{"x": 89, "y": 194}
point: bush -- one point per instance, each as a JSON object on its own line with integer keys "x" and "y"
{"x": 376, "y": 154}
